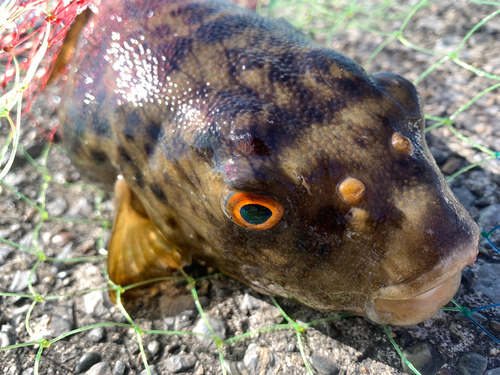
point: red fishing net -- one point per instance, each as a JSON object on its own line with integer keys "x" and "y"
{"x": 31, "y": 35}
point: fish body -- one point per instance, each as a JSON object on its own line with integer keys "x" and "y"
{"x": 234, "y": 139}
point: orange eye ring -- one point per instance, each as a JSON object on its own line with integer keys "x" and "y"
{"x": 253, "y": 211}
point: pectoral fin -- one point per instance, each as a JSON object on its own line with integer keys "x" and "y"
{"x": 137, "y": 250}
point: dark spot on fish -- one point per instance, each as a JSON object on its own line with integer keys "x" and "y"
{"x": 206, "y": 153}
{"x": 283, "y": 70}
{"x": 319, "y": 63}
{"x": 324, "y": 250}
{"x": 172, "y": 223}
{"x": 229, "y": 104}
{"x": 161, "y": 31}
{"x": 231, "y": 65}
{"x": 193, "y": 13}
{"x": 353, "y": 87}
{"x": 242, "y": 58}
{"x": 99, "y": 156}
{"x": 138, "y": 177}
{"x": 133, "y": 122}
{"x": 159, "y": 193}
{"x": 172, "y": 53}
{"x": 229, "y": 26}
{"x": 153, "y": 133}
{"x": 361, "y": 142}
{"x": 100, "y": 124}
{"x": 327, "y": 216}
{"x": 125, "y": 156}
{"x": 336, "y": 103}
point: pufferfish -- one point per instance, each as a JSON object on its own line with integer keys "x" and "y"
{"x": 234, "y": 139}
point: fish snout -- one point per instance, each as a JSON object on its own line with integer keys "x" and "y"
{"x": 420, "y": 299}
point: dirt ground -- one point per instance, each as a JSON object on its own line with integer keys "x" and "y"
{"x": 445, "y": 344}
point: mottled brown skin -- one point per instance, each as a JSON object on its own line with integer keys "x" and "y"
{"x": 191, "y": 99}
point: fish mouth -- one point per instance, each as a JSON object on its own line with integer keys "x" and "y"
{"x": 395, "y": 305}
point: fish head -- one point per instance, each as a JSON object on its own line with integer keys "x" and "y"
{"x": 350, "y": 215}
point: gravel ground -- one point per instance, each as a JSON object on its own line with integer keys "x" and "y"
{"x": 446, "y": 344}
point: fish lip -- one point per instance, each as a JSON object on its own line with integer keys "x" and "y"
{"x": 457, "y": 267}
{"x": 424, "y": 302}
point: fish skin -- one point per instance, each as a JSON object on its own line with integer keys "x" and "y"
{"x": 190, "y": 100}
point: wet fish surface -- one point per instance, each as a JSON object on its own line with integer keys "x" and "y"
{"x": 234, "y": 139}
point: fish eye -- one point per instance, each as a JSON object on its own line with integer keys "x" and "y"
{"x": 253, "y": 211}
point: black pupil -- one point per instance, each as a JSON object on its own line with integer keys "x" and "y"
{"x": 255, "y": 213}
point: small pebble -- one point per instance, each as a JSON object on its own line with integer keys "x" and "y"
{"x": 323, "y": 365}
{"x": 95, "y": 304}
{"x": 419, "y": 355}
{"x": 183, "y": 319}
{"x": 56, "y": 207}
{"x": 101, "y": 368}
{"x": 495, "y": 326}
{"x": 169, "y": 321}
{"x": 217, "y": 326}
{"x": 63, "y": 274}
{"x": 80, "y": 209}
{"x": 451, "y": 166}
{"x": 28, "y": 371}
{"x": 61, "y": 239}
{"x": 83, "y": 243}
{"x": 180, "y": 363}
{"x": 87, "y": 361}
{"x": 19, "y": 314}
{"x": 204, "y": 301}
{"x": 14, "y": 179}
{"x": 234, "y": 368}
{"x": 152, "y": 370}
{"x": 493, "y": 371}
{"x": 20, "y": 281}
{"x": 488, "y": 279}
{"x": 96, "y": 334}
{"x": 154, "y": 347}
{"x": 249, "y": 303}
{"x": 490, "y": 216}
{"x": 120, "y": 368}
{"x": 259, "y": 360}
{"x": 7, "y": 335}
{"x": 5, "y": 340}
{"x": 472, "y": 364}
{"x": 4, "y": 253}
{"x": 62, "y": 320}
